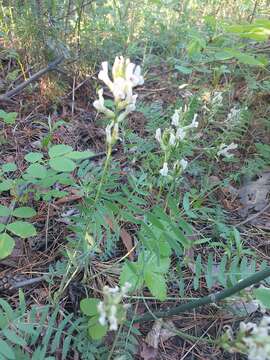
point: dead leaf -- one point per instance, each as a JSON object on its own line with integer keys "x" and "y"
{"x": 168, "y": 330}
{"x": 254, "y": 195}
{"x": 125, "y": 237}
{"x": 152, "y": 337}
{"x": 148, "y": 352}
{"x": 160, "y": 332}
{"x": 242, "y": 308}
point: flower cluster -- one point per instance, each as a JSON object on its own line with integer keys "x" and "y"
{"x": 110, "y": 309}
{"x": 224, "y": 150}
{"x": 252, "y": 339}
{"x": 233, "y": 116}
{"x": 125, "y": 76}
{"x": 171, "y": 138}
{"x": 217, "y": 99}
{"x": 212, "y": 104}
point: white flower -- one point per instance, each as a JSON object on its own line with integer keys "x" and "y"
{"x": 112, "y": 318}
{"x": 125, "y": 288}
{"x": 194, "y": 123}
{"x": 108, "y": 131}
{"x": 113, "y": 290}
{"x": 129, "y": 108}
{"x": 121, "y": 89}
{"x": 217, "y": 99}
{"x": 118, "y": 68}
{"x": 183, "y": 163}
{"x": 102, "y": 313}
{"x": 180, "y": 133}
{"x": 233, "y": 115}
{"x": 126, "y": 76}
{"x": 257, "y": 339}
{"x": 158, "y": 135}
{"x": 115, "y": 132}
{"x": 176, "y": 117}
{"x": 224, "y": 150}
{"x": 104, "y": 75}
{"x": 172, "y": 139}
{"x": 133, "y": 74}
{"x": 99, "y": 105}
{"x": 112, "y": 133}
{"x": 164, "y": 171}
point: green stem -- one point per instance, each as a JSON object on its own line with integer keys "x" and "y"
{"x": 105, "y": 169}
{"x": 169, "y": 193}
{"x": 209, "y": 299}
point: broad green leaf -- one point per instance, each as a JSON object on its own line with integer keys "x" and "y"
{"x": 14, "y": 338}
{"x": 153, "y": 219}
{"x": 2, "y": 227}
{"x": 186, "y": 206}
{"x": 249, "y": 60}
{"x": 160, "y": 266}
{"x": 130, "y": 273}
{"x": 183, "y": 69}
{"x": 263, "y": 295}
{"x": 22, "y": 229}
{"x": 48, "y": 181}
{"x": 24, "y": 212}
{"x": 6, "y": 350}
{"x": 156, "y": 284}
{"x": 4, "y": 211}
{"x": 9, "y": 167}
{"x": 97, "y": 331}
{"x": 62, "y": 164}
{"x": 8, "y": 118}
{"x": 244, "y": 58}
{"x": 6, "y": 245}
{"x": 54, "y": 194}
{"x": 3, "y": 320}
{"x": 222, "y": 55}
{"x": 59, "y": 150}
{"x": 37, "y": 171}
{"x": 6, "y": 185}
{"x": 209, "y": 276}
{"x": 89, "y": 306}
{"x": 259, "y": 31}
{"x": 33, "y": 157}
{"x": 79, "y": 155}
{"x": 65, "y": 179}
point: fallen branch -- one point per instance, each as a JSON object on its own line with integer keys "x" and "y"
{"x": 206, "y": 300}
{"x": 52, "y": 66}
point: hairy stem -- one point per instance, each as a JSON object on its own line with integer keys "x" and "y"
{"x": 210, "y": 299}
{"x": 105, "y": 170}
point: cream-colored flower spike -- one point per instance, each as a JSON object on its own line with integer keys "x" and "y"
{"x": 104, "y": 75}
{"x": 224, "y": 150}
{"x": 126, "y": 76}
{"x": 164, "y": 171}
{"x": 100, "y": 106}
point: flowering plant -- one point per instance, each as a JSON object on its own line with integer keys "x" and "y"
{"x": 125, "y": 76}
{"x": 107, "y": 314}
{"x": 110, "y": 309}
{"x": 171, "y": 138}
{"x": 251, "y": 339}
{"x": 224, "y": 150}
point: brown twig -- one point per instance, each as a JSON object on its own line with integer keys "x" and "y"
{"x": 52, "y": 66}
{"x": 254, "y": 216}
